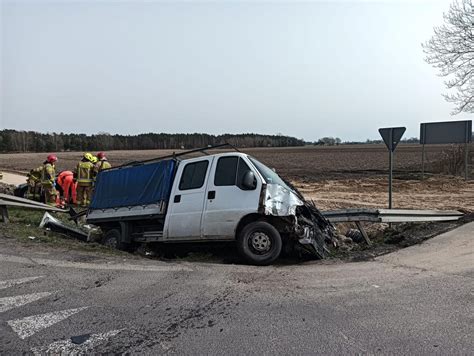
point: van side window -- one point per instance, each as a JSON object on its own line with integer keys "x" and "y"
{"x": 230, "y": 171}
{"x": 194, "y": 175}
{"x": 226, "y": 171}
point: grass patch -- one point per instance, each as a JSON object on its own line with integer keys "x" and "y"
{"x": 25, "y": 224}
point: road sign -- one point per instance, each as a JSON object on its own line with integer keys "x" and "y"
{"x": 391, "y": 136}
{"x": 446, "y": 132}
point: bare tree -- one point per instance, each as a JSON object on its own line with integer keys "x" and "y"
{"x": 451, "y": 50}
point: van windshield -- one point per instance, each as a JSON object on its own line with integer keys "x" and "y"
{"x": 268, "y": 174}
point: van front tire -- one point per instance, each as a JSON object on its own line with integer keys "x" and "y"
{"x": 259, "y": 243}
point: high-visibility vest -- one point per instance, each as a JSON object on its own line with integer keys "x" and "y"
{"x": 36, "y": 174}
{"x": 103, "y": 165}
{"x": 48, "y": 175}
{"x": 84, "y": 173}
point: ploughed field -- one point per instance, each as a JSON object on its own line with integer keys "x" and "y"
{"x": 309, "y": 162}
{"x": 335, "y": 177}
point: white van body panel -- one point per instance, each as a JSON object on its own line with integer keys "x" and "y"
{"x": 183, "y": 220}
{"x": 213, "y": 212}
{"x": 223, "y": 213}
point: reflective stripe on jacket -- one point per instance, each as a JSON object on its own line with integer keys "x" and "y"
{"x": 84, "y": 173}
{"x": 48, "y": 175}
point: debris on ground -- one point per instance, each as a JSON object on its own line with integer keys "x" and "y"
{"x": 6, "y": 188}
{"x": 355, "y": 235}
{"x": 53, "y": 224}
{"x": 80, "y": 339}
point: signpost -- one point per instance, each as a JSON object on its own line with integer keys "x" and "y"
{"x": 391, "y": 136}
{"x": 444, "y": 133}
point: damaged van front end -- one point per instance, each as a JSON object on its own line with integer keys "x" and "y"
{"x": 302, "y": 221}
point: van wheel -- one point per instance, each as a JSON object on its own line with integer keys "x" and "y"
{"x": 259, "y": 243}
{"x": 111, "y": 239}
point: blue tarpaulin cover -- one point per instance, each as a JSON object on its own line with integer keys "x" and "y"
{"x": 135, "y": 185}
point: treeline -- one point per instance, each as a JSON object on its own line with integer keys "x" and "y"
{"x": 332, "y": 141}
{"x": 380, "y": 141}
{"x": 328, "y": 141}
{"x": 30, "y": 141}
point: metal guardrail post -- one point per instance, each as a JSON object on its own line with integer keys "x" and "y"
{"x": 4, "y": 214}
{"x": 363, "y": 232}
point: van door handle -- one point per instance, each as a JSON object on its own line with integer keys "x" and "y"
{"x": 177, "y": 198}
{"x": 211, "y": 194}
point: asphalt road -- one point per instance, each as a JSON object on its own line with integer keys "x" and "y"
{"x": 415, "y": 301}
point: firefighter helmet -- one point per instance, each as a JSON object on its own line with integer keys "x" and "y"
{"x": 88, "y": 156}
{"x": 101, "y": 155}
{"x": 51, "y": 158}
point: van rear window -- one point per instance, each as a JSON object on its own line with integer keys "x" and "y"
{"x": 194, "y": 175}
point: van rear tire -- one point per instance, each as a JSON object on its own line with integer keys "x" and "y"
{"x": 259, "y": 243}
{"x": 112, "y": 239}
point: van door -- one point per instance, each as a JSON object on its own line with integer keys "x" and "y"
{"x": 227, "y": 201}
{"x": 183, "y": 220}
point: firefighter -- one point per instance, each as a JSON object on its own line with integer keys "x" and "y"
{"x": 84, "y": 176}
{"x": 67, "y": 184}
{"x": 103, "y": 163}
{"x": 94, "y": 161}
{"x": 48, "y": 175}
{"x": 34, "y": 184}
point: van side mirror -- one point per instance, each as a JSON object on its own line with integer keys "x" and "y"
{"x": 249, "y": 182}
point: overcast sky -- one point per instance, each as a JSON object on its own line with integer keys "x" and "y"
{"x": 303, "y": 69}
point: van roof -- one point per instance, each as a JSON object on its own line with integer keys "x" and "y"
{"x": 223, "y": 154}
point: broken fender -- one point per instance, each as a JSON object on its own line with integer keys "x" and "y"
{"x": 280, "y": 201}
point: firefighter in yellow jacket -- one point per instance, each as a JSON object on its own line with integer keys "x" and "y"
{"x": 102, "y": 164}
{"x": 34, "y": 184}
{"x": 84, "y": 178}
{"x": 48, "y": 176}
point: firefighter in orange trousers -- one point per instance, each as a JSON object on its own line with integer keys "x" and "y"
{"x": 48, "y": 176}
{"x": 84, "y": 178}
{"x": 67, "y": 184}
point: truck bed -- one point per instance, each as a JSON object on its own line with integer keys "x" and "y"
{"x": 132, "y": 192}
{"x": 128, "y": 212}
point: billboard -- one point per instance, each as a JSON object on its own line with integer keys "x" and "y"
{"x": 446, "y": 132}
